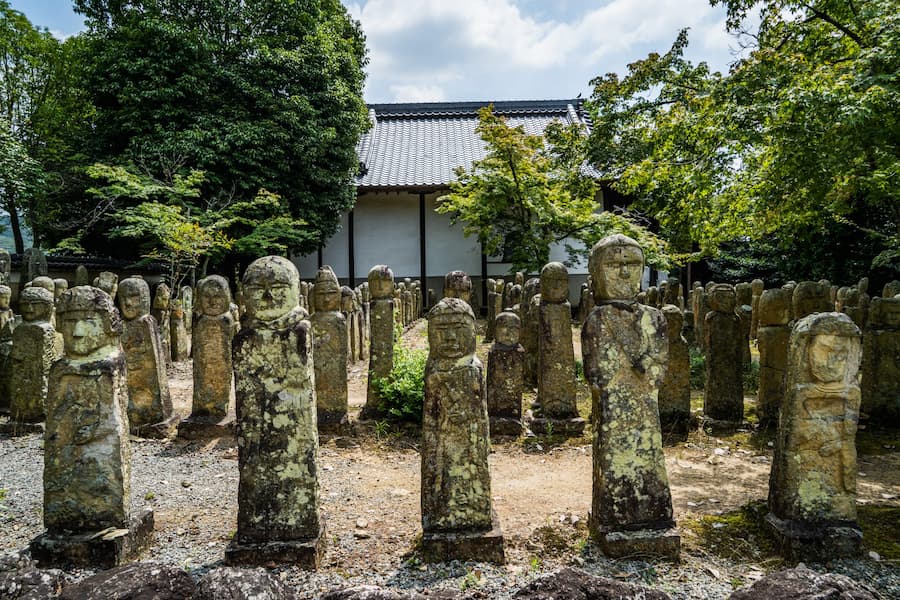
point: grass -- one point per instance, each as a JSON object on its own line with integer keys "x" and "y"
{"x": 739, "y": 536}
{"x": 881, "y": 529}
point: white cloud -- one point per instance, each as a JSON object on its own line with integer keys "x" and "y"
{"x": 418, "y": 93}
{"x": 495, "y": 49}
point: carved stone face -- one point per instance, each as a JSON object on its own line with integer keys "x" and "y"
{"x": 271, "y": 288}
{"x": 327, "y": 291}
{"x": 162, "y": 297}
{"x": 616, "y": 271}
{"x": 5, "y": 295}
{"x": 828, "y": 356}
{"x": 4, "y": 261}
{"x": 35, "y": 304}
{"x": 507, "y": 329}
{"x": 87, "y": 320}
{"x": 381, "y": 282}
{"x": 451, "y": 336}
{"x": 722, "y": 298}
{"x": 213, "y": 296}
{"x": 133, "y": 298}
{"x": 554, "y": 282}
{"x": 43, "y": 282}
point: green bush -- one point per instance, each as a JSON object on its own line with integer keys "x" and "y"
{"x": 698, "y": 369}
{"x": 402, "y": 393}
{"x": 751, "y": 377}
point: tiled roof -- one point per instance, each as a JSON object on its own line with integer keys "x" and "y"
{"x": 418, "y": 145}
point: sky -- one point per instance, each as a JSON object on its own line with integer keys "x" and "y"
{"x": 449, "y": 50}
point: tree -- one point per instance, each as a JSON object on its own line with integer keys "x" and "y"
{"x": 530, "y": 192}
{"x": 800, "y": 135}
{"x": 263, "y": 95}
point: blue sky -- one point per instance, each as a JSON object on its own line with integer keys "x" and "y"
{"x": 431, "y": 50}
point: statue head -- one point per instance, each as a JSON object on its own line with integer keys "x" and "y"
{"x": 5, "y": 262}
{"x": 213, "y": 296}
{"x": 162, "y": 296}
{"x": 457, "y": 285}
{"x": 271, "y": 288}
{"x": 616, "y": 266}
{"x": 108, "y": 282}
{"x": 744, "y": 293}
{"x": 36, "y": 304}
{"x": 811, "y": 297}
{"x": 381, "y": 282}
{"x": 757, "y": 286}
{"x": 42, "y": 281}
{"x": 59, "y": 286}
{"x": 5, "y": 296}
{"x": 327, "y": 291}
{"x": 554, "y": 283}
{"x": 884, "y": 313}
{"x": 347, "y": 299}
{"x": 520, "y": 278}
{"x": 451, "y": 329}
{"x": 825, "y": 349}
{"x": 507, "y": 328}
{"x": 531, "y": 289}
{"x": 89, "y": 321}
{"x": 674, "y": 319}
{"x": 774, "y": 307}
{"x": 722, "y": 298}
{"x": 134, "y": 298}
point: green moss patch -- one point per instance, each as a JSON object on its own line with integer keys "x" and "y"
{"x": 739, "y": 536}
{"x": 881, "y": 529}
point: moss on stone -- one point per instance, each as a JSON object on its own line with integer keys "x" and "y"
{"x": 740, "y": 535}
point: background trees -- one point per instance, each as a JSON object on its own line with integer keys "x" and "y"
{"x": 796, "y": 145}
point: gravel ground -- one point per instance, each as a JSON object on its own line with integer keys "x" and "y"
{"x": 372, "y": 524}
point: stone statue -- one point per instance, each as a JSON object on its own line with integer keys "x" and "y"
{"x": 5, "y": 265}
{"x": 506, "y": 359}
{"x": 773, "y": 333}
{"x": 81, "y": 276}
{"x": 557, "y": 410}
{"x": 457, "y": 517}
{"x": 757, "y": 287}
{"x": 212, "y": 336}
{"x": 150, "y": 412}
{"x": 675, "y": 390}
{"x": 744, "y": 310}
{"x": 108, "y": 282}
{"x": 458, "y": 285}
{"x": 812, "y": 488}
{"x": 87, "y": 456}
{"x": 330, "y": 352}
{"x": 34, "y": 264}
{"x": 7, "y": 325}
{"x": 723, "y": 396}
{"x": 881, "y": 362}
{"x": 811, "y": 297}
{"x": 161, "y": 310}
{"x": 625, "y": 354}
{"x": 529, "y": 313}
{"x": 381, "y": 332}
{"x": 35, "y": 347}
{"x": 491, "y": 311}
{"x": 278, "y": 492}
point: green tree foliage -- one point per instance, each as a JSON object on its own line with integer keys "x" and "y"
{"x": 263, "y": 95}
{"x": 800, "y": 135}
{"x": 532, "y": 191}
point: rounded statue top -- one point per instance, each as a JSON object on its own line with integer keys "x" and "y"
{"x": 531, "y": 289}
{"x": 43, "y": 282}
{"x": 520, "y": 278}
{"x": 825, "y": 349}
{"x": 134, "y": 298}
{"x": 507, "y": 328}
{"x": 457, "y": 284}
{"x": 757, "y": 286}
{"x": 108, "y": 282}
{"x": 554, "y": 283}
{"x": 59, "y": 286}
{"x": 162, "y": 296}
{"x": 4, "y": 261}
{"x": 451, "y": 330}
{"x": 88, "y": 321}
{"x": 326, "y": 291}
{"x": 271, "y": 288}
{"x": 213, "y": 296}
{"x": 35, "y": 304}
{"x": 616, "y": 265}
{"x": 722, "y": 298}
{"x": 381, "y": 282}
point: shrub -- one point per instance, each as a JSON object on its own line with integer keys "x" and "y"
{"x": 402, "y": 393}
{"x": 751, "y": 377}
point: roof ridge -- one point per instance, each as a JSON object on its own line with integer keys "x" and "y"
{"x": 471, "y": 107}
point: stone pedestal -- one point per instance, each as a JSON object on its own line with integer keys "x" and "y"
{"x": 664, "y": 542}
{"x": 812, "y": 542}
{"x": 479, "y": 546}
{"x": 305, "y": 554}
{"x": 102, "y": 549}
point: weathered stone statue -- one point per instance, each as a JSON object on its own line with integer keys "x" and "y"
{"x": 34, "y": 264}
{"x": 108, "y": 282}
{"x": 723, "y": 397}
{"x": 44, "y": 282}
{"x": 305, "y": 290}
{"x": 35, "y": 347}
{"x": 773, "y": 334}
{"x": 881, "y": 362}
{"x": 150, "y": 411}
{"x": 278, "y": 493}
{"x": 811, "y": 297}
{"x": 329, "y": 327}
{"x": 458, "y": 285}
{"x": 347, "y": 311}
{"x": 700, "y": 307}
{"x": 890, "y": 289}
{"x": 653, "y": 296}
{"x": 81, "y": 276}
{"x": 187, "y": 304}
{"x": 675, "y": 390}
{"x": 757, "y": 286}
{"x": 161, "y": 310}
{"x": 5, "y": 266}
{"x": 625, "y": 355}
{"x": 743, "y": 308}
{"x": 381, "y": 331}
{"x": 557, "y": 412}
{"x": 812, "y": 488}
{"x": 529, "y": 313}
{"x": 178, "y": 332}
{"x": 87, "y": 456}
{"x": 362, "y": 327}
{"x": 491, "y": 311}
{"x": 506, "y": 360}
{"x": 213, "y": 367}
{"x": 457, "y": 516}
{"x": 7, "y": 325}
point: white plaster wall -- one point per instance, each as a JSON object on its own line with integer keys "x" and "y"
{"x": 447, "y": 248}
{"x": 387, "y": 233}
{"x": 334, "y": 253}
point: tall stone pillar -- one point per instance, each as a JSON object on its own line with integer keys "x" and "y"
{"x": 625, "y": 353}
{"x": 773, "y": 333}
{"x": 723, "y": 396}
{"x": 506, "y": 359}
{"x": 675, "y": 390}
{"x": 278, "y": 491}
{"x": 330, "y": 352}
{"x": 381, "y": 332}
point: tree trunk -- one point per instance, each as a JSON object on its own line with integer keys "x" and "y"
{"x": 16, "y": 227}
